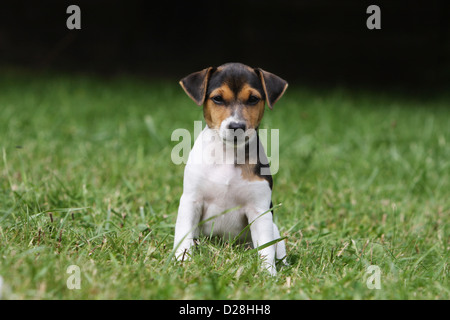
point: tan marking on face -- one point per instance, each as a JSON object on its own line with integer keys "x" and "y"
{"x": 252, "y": 113}
{"x": 223, "y": 91}
{"x": 214, "y": 114}
{"x": 248, "y": 172}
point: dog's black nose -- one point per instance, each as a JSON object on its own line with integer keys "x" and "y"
{"x": 237, "y": 125}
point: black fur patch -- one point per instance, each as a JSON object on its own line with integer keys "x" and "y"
{"x": 235, "y": 75}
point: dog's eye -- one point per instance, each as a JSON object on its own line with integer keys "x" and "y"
{"x": 217, "y": 99}
{"x": 252, "y": 100}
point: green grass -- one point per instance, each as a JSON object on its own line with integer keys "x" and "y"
{"x": 86, "y": 179}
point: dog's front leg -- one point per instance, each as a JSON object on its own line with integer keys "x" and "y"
{"x": 262, "y": 232}
{"x": 188, "y": 219}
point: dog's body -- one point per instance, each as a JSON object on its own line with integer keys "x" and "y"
{"x": 227, "y": 184}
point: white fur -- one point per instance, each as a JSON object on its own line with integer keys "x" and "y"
{"x": 228, "y": 135}
{"x": 211, "y": 188}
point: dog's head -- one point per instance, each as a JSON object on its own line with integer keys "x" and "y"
{"x": 233, "y": 97}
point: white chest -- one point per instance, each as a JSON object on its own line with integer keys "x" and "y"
{"x": 225, "y": 197}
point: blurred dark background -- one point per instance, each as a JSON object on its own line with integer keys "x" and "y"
{"x": 313, "y": 42}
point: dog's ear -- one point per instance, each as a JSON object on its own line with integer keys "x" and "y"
{"x": 195, "y": 85}
{"x": 274, "y": 87}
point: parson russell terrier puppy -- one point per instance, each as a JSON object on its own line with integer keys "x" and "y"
{"x": 227, "y": 180}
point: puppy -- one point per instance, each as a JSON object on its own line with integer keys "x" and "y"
{"x": 227, "y": 181}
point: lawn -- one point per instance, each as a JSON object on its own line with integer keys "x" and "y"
{"x": 86, "y": 179}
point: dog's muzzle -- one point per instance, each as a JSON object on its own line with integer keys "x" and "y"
{"x": 234, "y": 131}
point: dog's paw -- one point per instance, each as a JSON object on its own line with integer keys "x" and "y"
{"x": 282, "y": 262}
{"x": 269, "y": 267}
{"x": 183, "y": 254}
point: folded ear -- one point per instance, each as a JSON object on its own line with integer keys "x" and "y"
{"x": 274, "y": 87}
{"x": 195, "y": 85}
